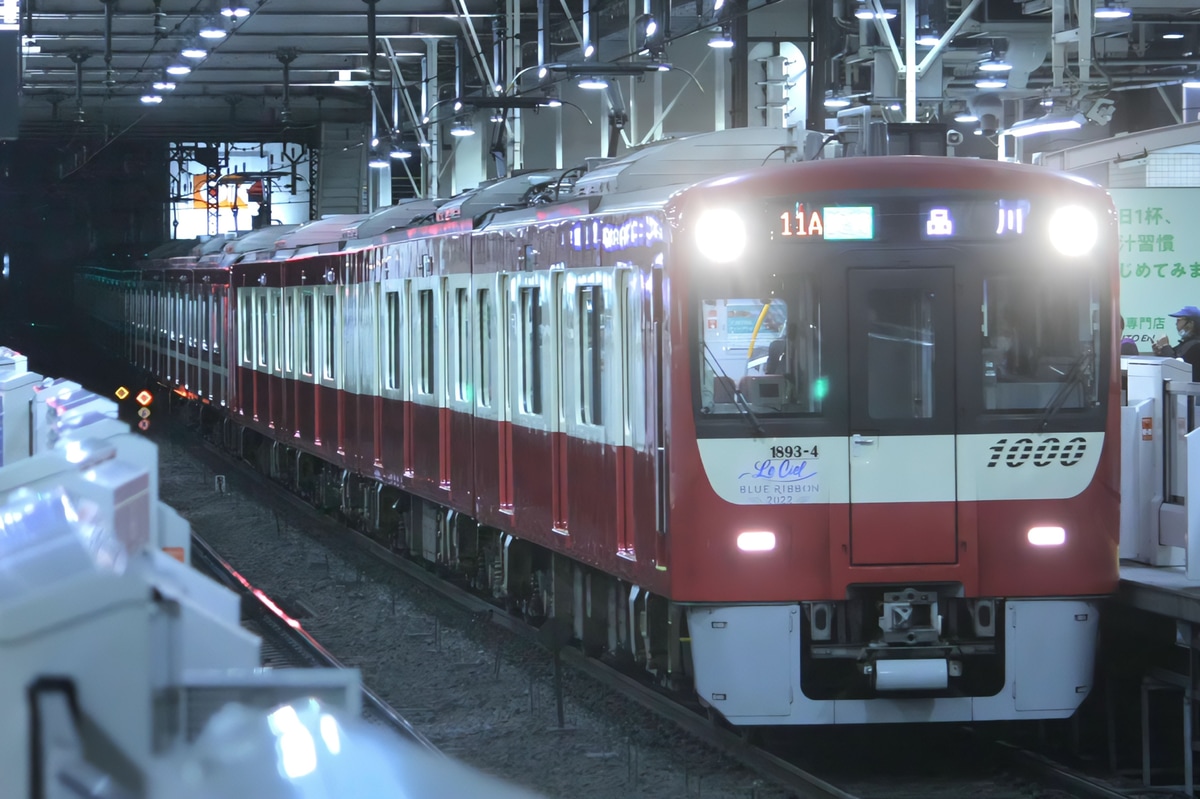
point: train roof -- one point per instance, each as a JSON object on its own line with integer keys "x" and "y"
{"x": 405, "y": 213}
{"x": 674, "y": 163}
{"x": 887, "y": 173}
{"x": 318, "y": 232}
{"x": 261, "y": 239}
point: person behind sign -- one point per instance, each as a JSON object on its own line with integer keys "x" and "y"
{"x": 1188, "y": 348}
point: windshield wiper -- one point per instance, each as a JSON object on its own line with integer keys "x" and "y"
{"x": 1079, "y": 372}
{"x": 739, "y": 401}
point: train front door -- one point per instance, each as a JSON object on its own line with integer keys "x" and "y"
{"x": 901, "y": 350}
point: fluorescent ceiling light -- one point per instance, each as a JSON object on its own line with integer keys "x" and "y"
{"x": 178, "y": 69}
{"x": 163, "y": 86}
{"x": 1111, "y": 12}
{"x": 151, "y": 99}
{"x": 1047, "y": 124}
{"x": 1172, "y": 36}
{"x": 193, "y": 52}
{"x": 865, "y": 12}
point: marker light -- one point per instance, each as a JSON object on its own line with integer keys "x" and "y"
{"x": 720, "y": 234}
{"x": 758, "y": 541}
{"x": 1073, "y": 230}
{"x": 1047, "y": 536}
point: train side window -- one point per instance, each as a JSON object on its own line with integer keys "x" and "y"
{"x": 530, "y": 345}
{"x": 425, "y": 382}
{"x": 462, "y": 344}
{"x": 217, "y": 324}
{"x": 329, "y": 303}
{"x": 392, "y": 347}
{"x": 591, "y": 354}
{"x": 274, "y": 338}
{"x": 289, "y": 334}
{"x": 487, "y": 341}
{"x": 244, "y": 327}
{"x": 308, "y": 332}
{"x": 263, "y": 323}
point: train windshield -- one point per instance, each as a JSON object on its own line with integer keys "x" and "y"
{"x": 761, "y": 355}
{"x": 1040, "y": 347}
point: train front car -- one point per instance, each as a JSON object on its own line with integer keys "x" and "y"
{"x": 894, "y": 439}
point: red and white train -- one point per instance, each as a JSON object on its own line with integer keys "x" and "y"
{"x": 833, "y": 441}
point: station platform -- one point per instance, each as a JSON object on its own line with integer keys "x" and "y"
{"x": 1163, "y": 590}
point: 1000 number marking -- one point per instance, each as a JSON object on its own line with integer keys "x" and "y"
{"x": 1040, "y": 453}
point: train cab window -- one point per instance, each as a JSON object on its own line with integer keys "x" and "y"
{"x": 530, "y": 350}
{"x": 425, "y": 381}
{"x": 392, "y": 346}
{"x": 591, "y": 351}
{"x": 1041, "y": 344}
{"x": 487, "y": 344}
{"x": 764, "y": 355}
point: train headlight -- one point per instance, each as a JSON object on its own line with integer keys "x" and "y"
{"x": 720, "y": 234}
{"x": 756, "y": 541}
{"x": 1073, "y": 230}
{"x": 1047, "y": 536}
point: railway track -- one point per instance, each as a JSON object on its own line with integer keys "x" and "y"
{"x": 779, "y": 758}
{"x": 285, "y": 644}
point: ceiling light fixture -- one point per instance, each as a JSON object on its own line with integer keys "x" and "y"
{"x": 1111, "y": 12}
{"x": 722, "y": 39}
{"x": 377, "y": 161}
{"x": 1172, "y": 36}
{"x": 399, "y": 151}
{"x": 178, "y": 69}
{"x": 151, "y": 99}
{"x": 833, "y": 100}
{"x": 927, "y": 38}
{"x": 965, "y": 117}
{"x": 461, "y": 129}
{"x": 211, "y": 30}
{"x": 236, "y": 12}
{"x": 991, "y": 83}
{"x": 867, "y": 12}
{"x": 194, "y": 52}
{"x": 163, "y": 86}
{"x": 1191, "y": 83}
{"x": 593, "y": 82}
{"x": 995, "y": 65}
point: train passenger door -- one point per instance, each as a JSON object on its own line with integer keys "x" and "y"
{"x": 902, "y": 416}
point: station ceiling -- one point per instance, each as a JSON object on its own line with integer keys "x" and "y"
{"x": 285, "y": 65}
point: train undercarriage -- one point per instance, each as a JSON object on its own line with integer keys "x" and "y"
{"x": 883, "y": 654}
